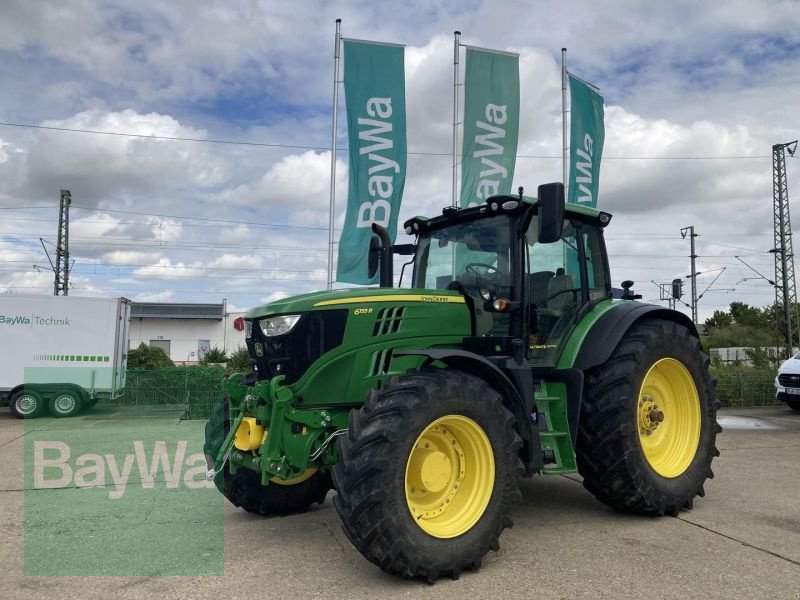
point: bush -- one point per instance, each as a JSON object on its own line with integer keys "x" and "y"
{"x": 239, "y": 362}
{"x": 214, "y": 355}
{"x": 148, "y": 357}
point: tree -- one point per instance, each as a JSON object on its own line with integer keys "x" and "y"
{"x": 148, "y": 357}
{"x": 742, "y": 326}
{"x": 718, "y": 320}
{"x": 747, "y": 315}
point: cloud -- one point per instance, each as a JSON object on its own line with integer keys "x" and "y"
{"x": 162, "y": 296}
{"x": 130, "y": 257}
{"x": 276, "y": 295}
{"x": 236, "y": 234}
{"x": 296, "y": 180}
{"x": 93, "y": 226}
{"x": 101, "y": 168}
{"x": 236, "y": 261}
{"x": 165, "y": 269}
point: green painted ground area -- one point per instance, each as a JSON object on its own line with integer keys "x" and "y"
{"x": 120, "y": 491}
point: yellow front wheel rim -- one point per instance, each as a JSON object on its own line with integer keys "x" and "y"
{"x": 449, "y": 476}
{"x": 307, "y": 474}
{"x": 668, "y": 417}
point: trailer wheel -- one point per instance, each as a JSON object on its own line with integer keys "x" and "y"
{"x": 65, "y": 403}
{"x": 26, "y": 404}
{"x": 648, "y": 422}
{"x": 244, "y": 489}
{"x": 428, "y": 473}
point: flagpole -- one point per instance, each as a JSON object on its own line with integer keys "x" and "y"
{"x": 336, "y": 47}
{"x": 456, "y": 49}
{"x": 564, "y": 113}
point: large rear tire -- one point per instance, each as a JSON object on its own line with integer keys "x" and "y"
{"x": 427, "y": 474}
{"x": 244, "y": 488}
{"x": 648, "y": 423}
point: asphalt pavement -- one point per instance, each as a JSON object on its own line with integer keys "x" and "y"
{"x": 742, "y": 540}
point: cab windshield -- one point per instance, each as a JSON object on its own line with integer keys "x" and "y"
{"x": 473, "y": 257}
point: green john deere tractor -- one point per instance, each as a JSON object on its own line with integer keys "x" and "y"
{"x": 423, "y": 407}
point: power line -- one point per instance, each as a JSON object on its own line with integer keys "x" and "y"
{"x": 227, "y": 221}
{"x": 324, "y": 148}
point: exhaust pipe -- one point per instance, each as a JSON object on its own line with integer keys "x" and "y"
{"x": 384, "y": 254}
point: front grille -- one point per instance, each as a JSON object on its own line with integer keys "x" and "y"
{"x": 789, "y": 380}
{"x": 388, "y": 320}
{"x": 292, "y": 354}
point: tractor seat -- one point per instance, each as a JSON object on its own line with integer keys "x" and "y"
{"x": 558, "y": 303}
{"x": 537, "y": 286}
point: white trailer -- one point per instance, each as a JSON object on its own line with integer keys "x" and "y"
{"x": 61, "y": 353}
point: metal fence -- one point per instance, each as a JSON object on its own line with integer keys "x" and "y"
{"x": 194, "y": 387}
{"x": 745, "y": 386}
{"x": 198, "y": 387}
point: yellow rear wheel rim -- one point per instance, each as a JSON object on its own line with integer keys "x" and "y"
{"x": 668, "y": 417}
{"x": 449, "y": 476}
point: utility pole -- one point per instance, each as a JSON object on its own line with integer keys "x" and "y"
{"x": 785, "y": 290}
{"x": 693, "y": 275}
{"x": 61, "y": 284}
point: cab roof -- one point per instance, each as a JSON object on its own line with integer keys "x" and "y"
{"x": 450, "y": 214}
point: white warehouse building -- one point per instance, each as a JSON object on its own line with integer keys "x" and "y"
{"x": 186, "y": 331}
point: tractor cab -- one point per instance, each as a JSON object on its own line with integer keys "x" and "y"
{"x": 527, "y": 268}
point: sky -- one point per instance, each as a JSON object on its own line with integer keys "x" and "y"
{"x": 696, "y": 94}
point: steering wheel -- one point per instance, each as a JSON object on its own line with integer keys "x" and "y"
{"x": 490, "y": 269}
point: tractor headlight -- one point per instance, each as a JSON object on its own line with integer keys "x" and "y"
{"x": 248, "y": 329}
{"x": 486, "y": 293}
{"x": 274, "y": 326}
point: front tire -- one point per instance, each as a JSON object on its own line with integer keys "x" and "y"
{"x": 793, "y": 404}
{"x": 427, "y": 474}
{"x": 26, "y": 404}
{"x": 243, "y": 488}
{"x": 648, "y": 422}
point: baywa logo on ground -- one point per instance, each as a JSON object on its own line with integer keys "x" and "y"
{"x": 54, "y": 467}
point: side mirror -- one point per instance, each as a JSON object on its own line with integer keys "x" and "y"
{"x": 373, "y": 259}
{"x": 551, "y": 212}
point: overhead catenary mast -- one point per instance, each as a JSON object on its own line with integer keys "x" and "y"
{"x": 693, "y": 275}
{"x": 61, "y": 268}
{"x": 785, "y": 289}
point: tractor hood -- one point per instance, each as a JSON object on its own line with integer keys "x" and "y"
{"x": 342, "y": 298}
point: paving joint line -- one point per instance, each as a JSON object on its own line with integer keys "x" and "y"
{"x": 743, "y": 543}
{"x": 14, "y": 440}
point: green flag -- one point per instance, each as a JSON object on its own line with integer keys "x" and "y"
{"x": 374, "y": 84}
{"x": 587, "y": 134}
{"x": 491, "y": 125}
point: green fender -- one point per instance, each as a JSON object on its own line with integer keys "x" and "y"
{"x": 601, "y": 330}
